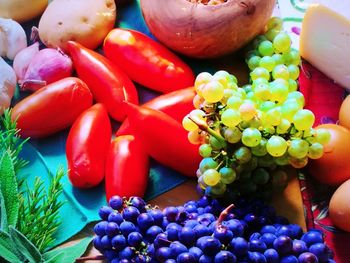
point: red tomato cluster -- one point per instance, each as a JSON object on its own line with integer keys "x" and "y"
{"x": 152, "y": 130}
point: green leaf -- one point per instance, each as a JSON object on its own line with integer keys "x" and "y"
{"x": 27, "y": 249}
{"x": 70, "y": 253}
{"x": 3, "y": 214}
{"x": 8, "y": 188}
{"x": 7, "y": 250}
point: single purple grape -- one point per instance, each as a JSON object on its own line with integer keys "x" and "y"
{"x": 289, "y": 259}
{"x": 170, "y": 213}
{"x": 131, "y": 213}
{"x": 211, "y": 246}
{"x": 271, "y": 256}
{"x": 106, "y": 242}
{"x": 196, "y": 252}
{"x": 257, "y": 245}
{"x": 157, "y": 215}
{"x": 236, "y": 227}
{"x": 100, "y": 228}
{"x": 206, "y": 259}
{"x": 206, "y": 219}
{"x": 239, "y": 246}
{"x": 284, "y": 231}
{"x": 299, "y": 247}
{"x": 163, "y": 254}
{"x": 223, "y": 234}
{"x": 116, "y": 202}
{"x": 193, "y": 216}
{"x": 297, "y": 231}
{"x": 126, "y": 253}
{"x": 187, "y": 236}
{"x": 200, "y": 210}
{"x": 173, "y": 230}
{"x": 161, "y": 241}
{"x": 115, "y": 217}
{"x": 139, "y": 203}
{"x": 177, "y": 248}
{"x": 112, "y": 229}
{"x": 307, "y": 257}
{"x": 191, "y": 208}
{"x": 312, "y": 237}
{"x": 170, "y": 260}
{"x": 268, "y": 229}
{"x": 118, "y": 242}
{"x": 225, "y": 256}
{"x": 126, "y": 228}
{"x": 97, "y": 243}
{"x": 145, "y": 221}
{"x": 256, "y": 257}
{"x": 110, "y": 255}
{"x": 104, "y": 212}
{"x": 283, "y": 245}
{"x": 151, "y": 250}
{"x": 255, "y": 235}
{"x": 191, "y": 223}
{"x": 152, "y": 232}
{"x": 134, "y": 239}
{"x": 186, "y": 257}
{"x": 141, "y": 259}
{"x": 321, "y": 251}
{"x": 268, "y": 239}
{"x": 201, "y": 231}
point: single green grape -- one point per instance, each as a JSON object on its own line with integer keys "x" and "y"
{"x": 211, "y": 177}
{"x": 323, "y": 136}
{"x": 273, "y": 117}
{"x": 298, "y": 96}
{"x": 267, "y": 105}
{"x": 298, "y": 163}
{"x": 197, "y": 101}
{"x": 260, "y": 72}
{"x": 276, "y": 146}
{"x": 303, "y": 119}
{"x": 282, "y": 160}
{"x": 288, "y": 58}
{"x": 207, "y": 163}
{"x": 213, "y": 91}
{"x": 222, "y": 76}
{"x": 247, "y": 111}
{"x": 228, "y": 93}
{"x": 218, "y": 190}
{"x": 260, "y": 150}
{"x": 265, "y": 48}
{"x": 259, "y": 81}
{"x": 282, "y": 42}
{"x": 271, "y": 34}
{"x": 278, "y": 58}
{"x": 188, "y": 124}
{"x": 254, "y": 62}
{"x": 230, "y": 117}
{"x": 195, "y": 137}
{"x": 260, "y": 176}
{"x": 280, "y": 71}
{"x": 247, "y": 88}
{"x": 279, "y": 91}
{"x": 315, "y": 151}
{"x": 293, "y": 72}
{"x": 267, "y": 62}
{"x": 228, "y": 175}
{"x": 243, "y": 154}
{"x": 293, "y": 85}
{"x": 233, "y": 135}
{"x": 251, "y": 137}
{"x": 289, "y": 108}
{"x": 241, "y": 92}
{"x": 255, "y": 123}
{"x": 215, "y": 143}
{"x": 296, "y": 57}
{"x": 202, "y": 78}
{"x": 283, "y": 127}
{"x": 234, "y": 102}
{"x": 275, "y": 23}
{"x": 205, "y": 150}
{"x": 298, "y": 148}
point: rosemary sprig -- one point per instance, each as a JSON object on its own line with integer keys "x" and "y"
{"x": 39, "y": 211}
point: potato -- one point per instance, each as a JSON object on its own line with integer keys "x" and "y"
{"x": 84, "y": 21}
{"x": 22, "y": 10}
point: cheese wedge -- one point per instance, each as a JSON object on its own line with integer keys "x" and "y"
{"x": 325, "y": 42}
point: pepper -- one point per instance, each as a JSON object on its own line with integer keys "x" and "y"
{"x": 108, "y": 84}
{"x": 52, "y": 108}
{"x": 146, "y": 61}
{"x": 176, "y": 104}
{"x": 87, "y": 146}
{"x": 164, "y": 139}
{"x": 127, "y": 168}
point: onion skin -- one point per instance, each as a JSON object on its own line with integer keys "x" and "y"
{"x": 23, "y": 59}
{"x": 206, "y": 31}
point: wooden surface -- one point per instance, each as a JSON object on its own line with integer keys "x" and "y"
{"x": 288, "y": 204}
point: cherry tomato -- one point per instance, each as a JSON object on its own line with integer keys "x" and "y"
{"x": 176, "y": 104}
{"x": 87, "y": 146}
{"x": 147, "y": 61}
{"x": 108, "y": 84}
{"x": 52, "y": 108}
{"x": 333, "y": 167}
{"x": 126, "y": 168}
{"x": 164, "y": 139}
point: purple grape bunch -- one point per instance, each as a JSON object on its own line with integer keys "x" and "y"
{"x": 204, "y": 231}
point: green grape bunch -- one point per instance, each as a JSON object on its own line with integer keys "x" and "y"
{"x": 247, "y": 134}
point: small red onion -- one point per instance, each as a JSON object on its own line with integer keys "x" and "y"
{"x": 23, "y": 59}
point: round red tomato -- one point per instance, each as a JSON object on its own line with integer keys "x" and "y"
{"x": 333, "y": 168}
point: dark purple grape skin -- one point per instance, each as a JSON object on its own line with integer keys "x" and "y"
{"x": 186, "y": 258}
{"x": 100, "y": 228}
{"x": 236, "y": 227}
{"x": 134, "y": 239}
{"x": 145, "y": 221}
{"x": 268, "y": 229}
{"x": 255, "y": 235}
{"x": 187, "y": 236}
{"x": 299, "y": 247}
{"x": 223, "y": 234}
{"x": 151, "y": 250}
{"x": 206, "y": 259}
{"x": 283, "y": 245}
{"x": 126, "y": 228}
{"x": 170, "y": 260}
{"x": 284, "y": 231}
{"x": 297, "y": 231}
{"x": 210, "y": 247}
{"x": 307, "y": 257}
{"x": 110, "y": 255}
{"x": 131, "y": 213}
{"x": 104, "y": 212}
{"x": 106, "y": 242}
{"x": 115, "y": 217}
{"x": 119, "y": 242}
{"x": 116, "y": 202}
{"x": 139, "y": 203}
{"x": 191, "y": 223}
{"x": 170, "y": 213}
{"x": 322, "y": 251}
{"x": 112, "y": 229}
{"x": 196, "y": 252}
{"x": 177, "y": 248}
{"x": 173, "y": 231}
{"x": 312, "y": 237}
{"x": 268, "y": 239}
{"x": 201, "y": 231}
{"x": 157, "y": 215}
{"x": 126, "y": 253}
{"x": 256, "y": 257}
{"x": 239, "y": 246}
{"x": 97, "y": 243}
{"x": 225, "y": 257}
{"x": 257, "y": 245}
{"x": 163, "y": 254}
{"x": 161, "y": 241}
{"x": 272, "y": 256}
{"x": 152, "y": 233}
{"x": 289, "y": 259}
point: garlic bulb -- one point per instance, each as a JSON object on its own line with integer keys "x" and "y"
{"x": 12, "y": 38}
{"x": 8, "y": 83}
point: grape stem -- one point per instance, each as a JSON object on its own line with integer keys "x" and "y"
{"x": 98, "y": 257}
{"x": 204, "y": 127}
{"x": 224, "y": 213}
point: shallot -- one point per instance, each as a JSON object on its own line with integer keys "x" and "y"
{"x": 23, "y": 59}
{"x": 47, "y": 66}
{"x": 12, "y": 38}
{"x": 7, "y": 85}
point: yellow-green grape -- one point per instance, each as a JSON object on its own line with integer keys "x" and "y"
{"x": 266, "y": 106}
{"x": 275, "y": 23}
{"x": 228, "y": 175}
{"x": 243, "y": 155}
{"x": 282, "y": 42}
{"x": 280, "y": 71}
{"x": 247, "y": 111}
{"x": 323, "y": 136}
{"x": 227, "y": 94}
{"x": 296, "y": 59}
{"x": 205, "y": 150}
{"x": 283, "y": 127}
{"x": 278, "y": 58}
{"x": 298, "y": 163}
{"x": 298, "y": 96}
{"x": 215, "y": 143}
{"x": 197, "y": 101}
{"x": 254, "y": 62}
{"x": 260, "y": 150}
{"x": 265, "y": 48}
{"x": 259, "y": 81}
{"x": 267, "y": 62}
{"x": 315, "y": 151}
{"x": 282, "y": 160}
{"x": 273, "y": 117}
{"x": 251, "y": 137}
{"x": 232, "y": 85}
{"x": 202, "y": 78}
{"x": 298, "y": 148}
{"x": 230, "y": 117}
{"x": 207, "y": 163}
{"x": 234, "y": 102}
{"x": 279, "y": 180}
{"x": 269, "y": 129}
{"x": 279, "y": 91}
{"x": 233, "y": 79}
{"x": 289, "y": 108}
{"x": 197, "y": 115}
{"x": 211, "y": 177}
{"x": 218, "y": 189}
{"x": 293, "y": 85}
{"x": 293, "y": 71}
{"x": 303, "y": 119}
{"x": 247, "y": 88}
{"x": 251, "y": 96}
{"x": 262, "y": 92}
{"x": 201, "y": 183}
{"x": 271, "y": 34}
{"x": 255, "y": 122}
{"x": 213, "y": 91}
{"x": 223, "y": 77}
{"x": 199, "y": 89}
{"x": 195, "y": 137}
{"x": 260, "y": 72}
{"x": 232, "y": 135}
{"x": 241, "y": 93}
{"x": 276, "y": 146}
{"x": 188, "y": 124}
